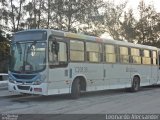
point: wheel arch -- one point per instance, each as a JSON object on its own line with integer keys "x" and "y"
{"x": 135, "y": 85}
{"x": 83, "y": 81}
{"x": 135, "y": 75}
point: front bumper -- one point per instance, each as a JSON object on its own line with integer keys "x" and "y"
{"x": 28, "y": 88}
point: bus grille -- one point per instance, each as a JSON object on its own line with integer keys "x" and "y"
{"x": 23, "y": 87}
{"x": 24, "y": 76}
{"x": 24, "y": 82}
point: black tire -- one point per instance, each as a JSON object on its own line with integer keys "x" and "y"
{"x": 75, "y": 90}
{"x": 135, "y": 84}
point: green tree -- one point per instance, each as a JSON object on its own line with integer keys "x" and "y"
{"x": 16, "y": 14}
{"x": 3, "y": 13}
{"x": 4, "y": 53}
{"x": 93, "y": 19}
{"x": 147, "y": 26}
{"x": 113, "y": 19}
{"x": 128, "y": 26}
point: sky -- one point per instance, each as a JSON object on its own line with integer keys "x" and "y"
{"x": 134, "y": 3}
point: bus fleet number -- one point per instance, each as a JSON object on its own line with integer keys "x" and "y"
{"x": 81, "y": 69}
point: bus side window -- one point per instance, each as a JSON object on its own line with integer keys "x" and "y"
{"x": 146, "y": 59}
{"x": 76, "y": 51}
{"x": 58, "y": 54}
{"x": 94, "y": 52}
{"x": 124, "y": 54}
{"x": 110, "y": 53}
{"x": 135, "y": 57}
{"x": 154, "y": 57}
{"x": 53, "y": 57}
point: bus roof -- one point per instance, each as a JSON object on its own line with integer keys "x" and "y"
{"x": 91, "y": 38}
{"x": 97, "y": 39}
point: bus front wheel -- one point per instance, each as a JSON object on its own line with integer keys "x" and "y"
{"x": 75, "y": 91}
{"x": 135, "y": 84}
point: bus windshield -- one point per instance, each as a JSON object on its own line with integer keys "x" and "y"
{"x": 28, "y": 57}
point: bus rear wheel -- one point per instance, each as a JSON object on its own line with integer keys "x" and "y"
{"x": 135, "y": 84}
{"x": 75, "y": 90}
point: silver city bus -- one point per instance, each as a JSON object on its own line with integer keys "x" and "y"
{"x": 48, "y": 62}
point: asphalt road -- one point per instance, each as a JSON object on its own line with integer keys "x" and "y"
{"x": 147, "y": 101}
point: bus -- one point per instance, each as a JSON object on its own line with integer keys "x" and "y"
{"x": 49, "y": 62}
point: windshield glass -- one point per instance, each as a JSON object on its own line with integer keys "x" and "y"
{"x": 28, "y": 57}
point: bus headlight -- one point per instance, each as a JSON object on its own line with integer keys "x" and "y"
{"x": 40, "y": 80}
{"x": 37, "y": 82}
